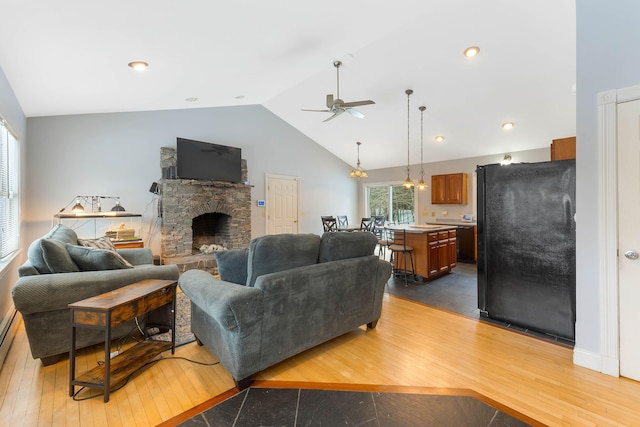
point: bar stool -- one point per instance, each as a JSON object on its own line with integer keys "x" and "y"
{"x": 398, "y": 244}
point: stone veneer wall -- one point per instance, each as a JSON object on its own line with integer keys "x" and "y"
{"x": 185, "y": 199}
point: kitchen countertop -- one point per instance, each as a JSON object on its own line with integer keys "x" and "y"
{"x": 423, "y": 228}
{"x": 452, "y": 222}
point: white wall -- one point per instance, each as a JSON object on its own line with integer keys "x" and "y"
{"x": 607, "y": 33}
{"x": 427, "y": 211}
{"x": 119, "y": 155}
{"x": 11, "y": 111}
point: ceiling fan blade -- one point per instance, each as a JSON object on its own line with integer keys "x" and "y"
{"x": 330, "y": 100}
{"x": 357, "y": 103}
{"x": 335, "y": 114}
{"x": 355, "y": 113}
{"x": 317, "y": 111}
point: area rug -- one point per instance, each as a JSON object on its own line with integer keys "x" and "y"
{"x": 183, "y": 323}
{"x": 277, "y": 404}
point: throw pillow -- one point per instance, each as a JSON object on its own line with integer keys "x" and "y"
{"x": 92, "y": 259}
{"x": 232, "y": 265}
{"x": 56, "y": 257}
{"x": 100, "y": 243}
{"x": 35, "y": 252}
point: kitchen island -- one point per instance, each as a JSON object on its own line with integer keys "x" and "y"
{"x": 434, "y": 249}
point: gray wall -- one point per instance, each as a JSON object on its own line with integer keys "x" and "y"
{"x": 12, "y": 113}
{"x": 119, "y": 155}
{"x": 606, "y": 59}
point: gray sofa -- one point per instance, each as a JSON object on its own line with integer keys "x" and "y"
{"x": 59, "y": 271}
{"x": 283, "y": 295}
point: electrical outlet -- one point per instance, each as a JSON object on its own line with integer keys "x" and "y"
{"x": 444, "y": 213}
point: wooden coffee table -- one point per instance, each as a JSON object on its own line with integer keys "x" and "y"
{"x": 109, "y": 310}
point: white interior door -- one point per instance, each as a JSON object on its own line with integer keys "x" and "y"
{"x": 282, "y": 204}
{"x": 628, "y": 128}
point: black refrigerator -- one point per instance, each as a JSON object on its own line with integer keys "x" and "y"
{"x": 527, "y": 245}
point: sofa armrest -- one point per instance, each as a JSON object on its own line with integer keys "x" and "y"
{"x": 137, "y": 256}
{"x": 235, "y": 307}
{"x": 48, "y": 292}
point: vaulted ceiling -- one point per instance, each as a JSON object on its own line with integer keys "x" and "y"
{"x": 71, "y": 56}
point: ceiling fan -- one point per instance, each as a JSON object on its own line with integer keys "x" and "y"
{"x": 337, "y": 106}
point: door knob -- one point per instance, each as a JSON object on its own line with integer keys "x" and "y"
{"x": 631, "y": 254}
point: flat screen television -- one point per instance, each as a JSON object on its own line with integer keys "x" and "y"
{"x": 206, "y": 161}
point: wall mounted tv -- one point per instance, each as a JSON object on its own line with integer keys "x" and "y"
{"x": 206, "y": 161}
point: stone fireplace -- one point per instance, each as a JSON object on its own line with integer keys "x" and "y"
{"x": 196, "y": 213}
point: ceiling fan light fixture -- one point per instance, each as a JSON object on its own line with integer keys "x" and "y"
{"x": 138, "y": 65}
{"x": 439, "y": 139}
{"x": 471, "y": 51}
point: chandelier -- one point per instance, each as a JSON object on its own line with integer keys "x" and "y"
{"x": 358, "y": 172}
{"x": 407, "y": 182}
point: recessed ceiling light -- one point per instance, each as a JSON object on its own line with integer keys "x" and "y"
{"x": 507, "y": 125}
{"x": 471, "y": 51}
{"x": 439, "y": 138}
{"x": 138, "y": 65}
{"x": 192, "y": 99}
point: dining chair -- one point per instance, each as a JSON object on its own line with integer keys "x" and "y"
{"x": 343, "y": 221}
{"x": 381, "y": 234}
{"x": 329, "y": 223}
{"x": 366, "y": 224}
{"x": 398, "y": 245}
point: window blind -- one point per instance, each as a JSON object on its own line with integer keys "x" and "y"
{"x": 9, "y": 185}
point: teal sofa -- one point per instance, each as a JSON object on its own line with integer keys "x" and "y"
{"x": 283, "y": 295}
{"x": 60, "y": 271}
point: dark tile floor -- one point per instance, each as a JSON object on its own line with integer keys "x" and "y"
{"x": 305, "y": 407}
{"x": 457, "y": 292}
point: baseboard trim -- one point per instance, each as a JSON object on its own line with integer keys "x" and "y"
{"x": 594, "y": 361}
{"x": 8, "y": 330}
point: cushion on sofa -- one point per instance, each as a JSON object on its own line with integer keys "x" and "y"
{"x": 100, "y": 243}
{"x": 92, "y": 259}
{"x": 270, "y": 254}
{"x": 232, "y": 265}
{"x": 38, "y": 252}
{"x": 337, "y": 246}
{"x": 56, "y": 257}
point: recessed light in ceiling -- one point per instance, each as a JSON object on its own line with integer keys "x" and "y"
{"x": 138, "y": 65}
{"x": 507, "y": 125}
{"x": 439, "y": 138}
{"x": 192, "y": 99}
{"x": 471, "y": 51}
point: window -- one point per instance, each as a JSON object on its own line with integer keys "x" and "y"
{"x": 9, "y": 201}
{"x": 394, "y": 202}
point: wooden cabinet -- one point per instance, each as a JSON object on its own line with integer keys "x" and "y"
{"x": 449, "y": 189}
{"x": 563, "y": 148}
{"x": 434, "y": 252}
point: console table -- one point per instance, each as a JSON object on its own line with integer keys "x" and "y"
{"x": 109, "y": 310}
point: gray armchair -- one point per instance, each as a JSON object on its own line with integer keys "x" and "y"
{"x": 51, "y": 279}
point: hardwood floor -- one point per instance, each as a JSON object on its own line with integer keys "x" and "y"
{"x": 413, "y": 345}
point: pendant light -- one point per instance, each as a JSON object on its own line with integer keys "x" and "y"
{"x": 421, "y": 184}
{"x": 407, "y": 182}
{"x": 358, "y": 172}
